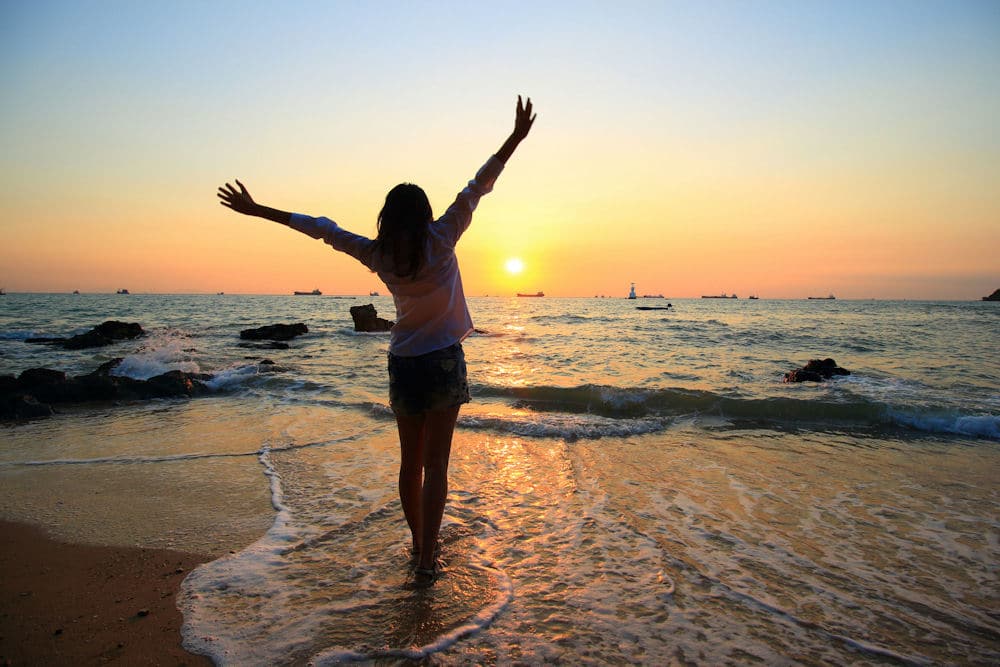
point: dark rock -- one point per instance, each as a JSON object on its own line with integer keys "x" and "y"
{"x": 366, "y": 319}
{"x": 272, "y": 345}
{"x": 38, "y": 377}
{"x": 46, "y": 341}
{"x": 173, "y": 383}
{"x": 90, "y": 339}
{"x": 23, "y": 406}
{"x": 30, "y": 394}
{"x": 116, "y": 330}
{"x": 103, "y": 334}
{"x": 993, "y": 297}
{"x": 8, "y": 384}
{"x": 816, "y": 370}
{"x": 275, "y": 332}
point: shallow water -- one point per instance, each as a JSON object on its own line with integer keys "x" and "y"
{"x": 628, "y": 486}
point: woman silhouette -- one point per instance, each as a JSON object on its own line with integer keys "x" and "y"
{"x": 414, "y": 255}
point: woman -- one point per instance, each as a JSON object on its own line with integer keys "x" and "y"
{"x": 414, "y": 255}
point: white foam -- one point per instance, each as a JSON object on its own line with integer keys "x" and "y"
{"x": 233, "y": 376}
{"x": 564, "y": 426}
{"x": 982, "y": 426}
{"x": 159, "y": 355}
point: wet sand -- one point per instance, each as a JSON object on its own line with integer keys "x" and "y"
{"x": 71, "y": 604}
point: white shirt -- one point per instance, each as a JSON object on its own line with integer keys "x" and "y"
{"x": 431, "y": 313}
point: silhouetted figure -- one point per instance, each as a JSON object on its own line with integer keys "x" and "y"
{"x": 414, "y": 255}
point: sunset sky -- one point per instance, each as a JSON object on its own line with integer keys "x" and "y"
{"x": 780, "y": 148}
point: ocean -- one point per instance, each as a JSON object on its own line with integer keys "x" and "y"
{"x": 628, "y": 486}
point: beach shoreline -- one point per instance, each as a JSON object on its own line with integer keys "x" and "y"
{"x": 73, "y": 604}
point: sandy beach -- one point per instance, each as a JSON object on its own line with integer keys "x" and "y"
{"x": 72, "y": 604}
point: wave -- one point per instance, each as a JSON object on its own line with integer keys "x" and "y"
{"x": 613, "y": 411}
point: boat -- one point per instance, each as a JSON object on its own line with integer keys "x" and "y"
{"x": 2, "y": 291}
{"x": 122, "y": 291}
{"x": 532, "y": 295}
{"x": 669, "y": 306}
{"x": 822, "y": 298}
{"x": 631, "y": 292}
{"x": 373, "y": 293}
{"x": 315, "y": 292}
{"x": 653, "y": 296}
{"x": 76, "y": 291}
{"x": 719, "y": 296}
{"x": 753, "y": 297}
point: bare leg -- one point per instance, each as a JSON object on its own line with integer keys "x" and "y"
{"x": 411, "y": 469}
{"x": 439, "y": 426}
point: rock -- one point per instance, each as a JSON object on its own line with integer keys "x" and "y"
{"x": 39, "y": 377}
{"x": 46, "y": 341}
{"x": 275, "y": 332}
{"x": 993, "y": 297}
{"x": 119, "y": 330}
{"x": 103, "y": 334}
{"x": 29, "y": 395}
{"x": 367, "y": 319}
{"x": 816, "y": 370}
{"x": 176, "y": 383}
{"x": 8, "y": 384}
{"x": 23, "y": 406}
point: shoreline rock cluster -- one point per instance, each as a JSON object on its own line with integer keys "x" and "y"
{"x": 32, "y": 393}
{"x": 816, "y": 370}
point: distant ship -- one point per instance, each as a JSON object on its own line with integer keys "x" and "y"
{"x": 653, "y": 296}
{"x": 76, "y": 291}
{"x": 315, "y": 292}
{"x": 719, "y": 296}
{"x": 753, "y": 296}
{"x": 535, "y": 294}
{"x": 822, "y": 298}
{"x": 122, "y": 291}
{"x": 2, "y": 291}
{"x": 373, "y": 293}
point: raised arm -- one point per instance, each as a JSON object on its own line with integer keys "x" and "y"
{"x": 523, "y": 119}
{"x": 241, "y": 202}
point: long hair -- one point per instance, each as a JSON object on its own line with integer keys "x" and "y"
{"x": 403, "y": 224}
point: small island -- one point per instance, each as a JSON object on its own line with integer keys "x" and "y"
{"x": 993, "y": 297}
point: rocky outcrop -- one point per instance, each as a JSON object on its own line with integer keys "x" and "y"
{"x": 106, "y": 333}
{"x": 32, "y": 393}
{"x": 993, "y": 297}
{"x": 275, "y": 332}
{"x": 366, "y": 319}
{"x": 816, "y": 370}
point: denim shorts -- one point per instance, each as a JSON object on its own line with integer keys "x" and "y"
{"x": 429, "y": 382}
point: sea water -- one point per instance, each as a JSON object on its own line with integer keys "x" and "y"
{"x": 628, "y": 486}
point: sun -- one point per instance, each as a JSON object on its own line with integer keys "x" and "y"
{"x": 514, "y": 265}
